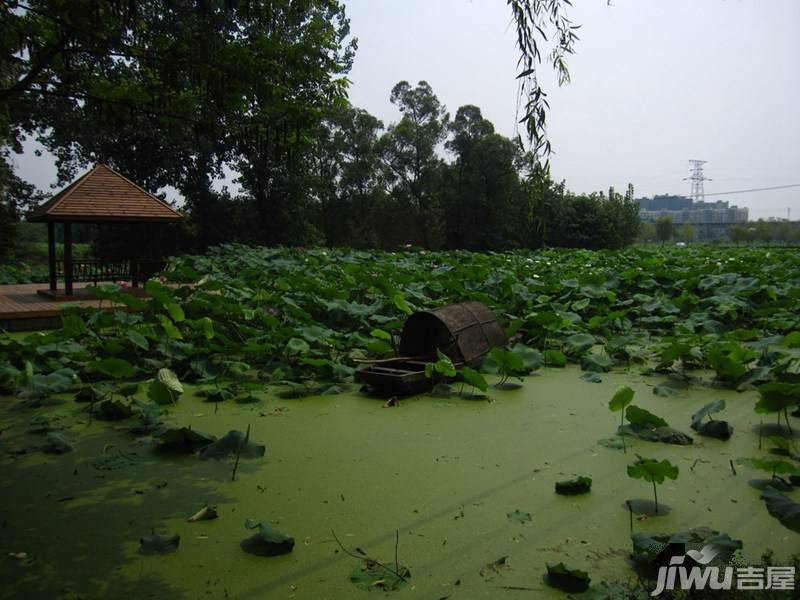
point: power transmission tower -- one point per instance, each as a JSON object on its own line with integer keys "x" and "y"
{"x": 697, "y": 178}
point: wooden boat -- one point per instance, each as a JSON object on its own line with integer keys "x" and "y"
{"x": 464, "y": 332}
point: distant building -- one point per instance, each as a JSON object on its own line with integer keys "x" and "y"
{"x": 665, "y": 202}
{"x": 711, "y": 220}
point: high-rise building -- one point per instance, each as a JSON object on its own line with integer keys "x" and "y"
{"x": 710, "y": 219}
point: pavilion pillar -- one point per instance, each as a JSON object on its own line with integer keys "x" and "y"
{"x": 68, "y": 258}
{"x": 51, "y": 254}
{"x": 133, "y": 246}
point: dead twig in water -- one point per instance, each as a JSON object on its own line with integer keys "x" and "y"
{"x": 630, "y": 513}
{"x": 396, "y": 544}
{"x": 369, "y": 559}
{"x": 239, "y": 452}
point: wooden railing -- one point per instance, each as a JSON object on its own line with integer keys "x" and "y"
{"x": 93, "y": 270}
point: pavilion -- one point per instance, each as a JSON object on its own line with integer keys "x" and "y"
{"x": 102, "y": 197}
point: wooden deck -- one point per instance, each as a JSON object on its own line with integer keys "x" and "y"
{"x": 23, "y": 309}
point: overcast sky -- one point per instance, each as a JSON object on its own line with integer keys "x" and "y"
{"x": 654, "y": 84}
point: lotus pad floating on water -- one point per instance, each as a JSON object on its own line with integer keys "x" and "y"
{"x": 183, "y": 439}
{"x": 112, "y": 410}
{"x": 666, "y": 435}
{"x": 782, "y": 508}
{"x": 58, "y": 443}
{"x": 159, "y": 544}
{"x": 267, "y": 542}
{"x": 234, "y": 442}
{"x": 652, "y": 428}
{"x": 569, "y": 580}
{"x": 574, "y": 487}
{"x": 721, "y": 430}
{"x": 711, "y": 428}
{"x": 520, "y": 516}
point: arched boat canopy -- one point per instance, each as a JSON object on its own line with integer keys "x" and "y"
{"x": 465, "y": 332}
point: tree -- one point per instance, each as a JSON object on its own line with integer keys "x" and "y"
{"x": 180, "y": 94}
{"x": 303, "y": 56}
{"x": 173, "y": 93}
{"x": 623, "y": 214}
{"x": 543, "y": 196}
{"x": 686, "y": 233}
{"x": 647, "y": 232}
{"x": 16, "y": 196}
{"x": 483, "y": 200}
{"x": 664, "y": 229}
{"x": 38, "y": 38}
{"x": 409, "y": 154}
{"x": 785, "y": 232}
{"x": 67, "y": 68}
{"x": 346, "y": 177}
{"x": 466, "y": 130}
{"x": 7, "y": 229}
{"x": 362, "y": 182}
{"x": 562, "y": 219}
{"x": 794, "y": 233}
{"x": 762, "y": 232}
{"x": 738, "y": 233}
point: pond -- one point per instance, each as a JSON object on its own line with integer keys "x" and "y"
{"x": 462, "y": 483}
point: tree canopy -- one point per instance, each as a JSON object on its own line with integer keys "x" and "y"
{"x": 187, "y": 94}
{"x": 169, "y": 93}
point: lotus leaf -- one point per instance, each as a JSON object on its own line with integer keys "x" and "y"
{"x": 574, "y": 487}
{"x": 567, "y": 579}
{"x": 159, "y": 544}
{"x": 232, "y": 443}
{"x": 786, "y": 510}
{"x": 268, "y": 541}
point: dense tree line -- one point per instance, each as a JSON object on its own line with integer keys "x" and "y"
{"x": 778, "y": 231}
{"x": 431, "y": 182}
{"x": 766, "y": 232}
{"x": 182, "y": 93}
{"x": 171, "y": 93}
{"x": 436, "y": 182}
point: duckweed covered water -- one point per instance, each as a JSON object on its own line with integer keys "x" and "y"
{"x": 445, "y": 473}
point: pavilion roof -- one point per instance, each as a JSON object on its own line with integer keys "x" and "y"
{"x": 102, "y": 194}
